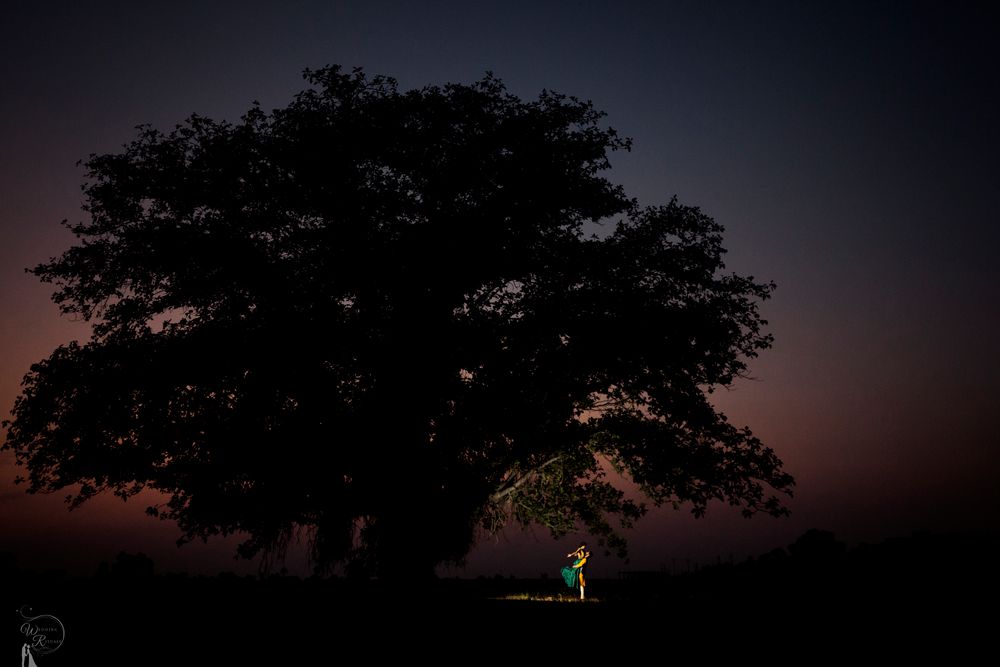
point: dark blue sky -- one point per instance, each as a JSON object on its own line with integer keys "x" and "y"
{"x": 848, "y": 148}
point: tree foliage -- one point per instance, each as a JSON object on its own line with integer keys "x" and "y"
{"x": 375, "y": 316}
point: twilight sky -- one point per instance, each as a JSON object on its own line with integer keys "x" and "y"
{"x": 848, "y": 148}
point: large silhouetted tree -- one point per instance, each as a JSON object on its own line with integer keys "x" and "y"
{"x": 375, "y": 316}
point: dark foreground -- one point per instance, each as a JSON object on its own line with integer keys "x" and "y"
{"x": 907, "y": 595}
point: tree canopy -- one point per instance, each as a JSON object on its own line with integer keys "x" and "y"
{"x": 375, "y": 316}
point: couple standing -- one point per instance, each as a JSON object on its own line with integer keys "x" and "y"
{"x": 574, "y": 575}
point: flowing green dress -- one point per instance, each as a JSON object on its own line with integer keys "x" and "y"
{"x": 571, "y": 575}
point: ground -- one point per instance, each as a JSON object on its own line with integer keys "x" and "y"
{"x": 910, "y": 595}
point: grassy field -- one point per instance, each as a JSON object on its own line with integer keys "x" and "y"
{"x": 895, "y": 596}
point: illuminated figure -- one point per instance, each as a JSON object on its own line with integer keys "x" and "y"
{"x": 575, "y": 575}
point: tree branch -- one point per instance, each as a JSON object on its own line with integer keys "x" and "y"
{"x": 513, "y": 484}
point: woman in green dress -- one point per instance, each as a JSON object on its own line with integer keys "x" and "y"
{"x": 575, "y": 575}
